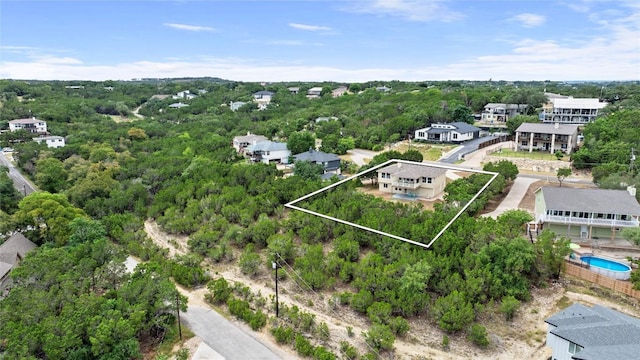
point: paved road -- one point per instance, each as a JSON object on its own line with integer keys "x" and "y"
{"x": 466, "y": 148}
{"x": 19, "y": 182}
{"x": 229, "y": 341}
{"x": 358, "y": 156}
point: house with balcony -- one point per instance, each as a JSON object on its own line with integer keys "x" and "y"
{"x": 580, "y": 332}
{"x": 571, "y": 111}
{"x": 268, "y": 152}
{"x": 314, "y": 93}
{"x": 51, "y": 141}
{"x": 263, "y": 99}
{"x": 497, "y": 114}
{"x": 547, "y": 137}
{"x": 330, "y": 162}
{"x": 12, "y": 252}
{"x": 587, "y": 213}
{"x": 414, "y": 180}
{"x": 241, "y": 142}
{"x": 32, "y": 125}
{"x": 454, "y": 132}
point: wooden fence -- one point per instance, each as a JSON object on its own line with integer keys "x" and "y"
{"x": 496, "y": 140}
{"x": 624, "y": 287}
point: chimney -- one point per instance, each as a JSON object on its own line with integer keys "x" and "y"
{"x": 556, "y": 125}
{"x": 399, "y": 165}
{"x": 632, "y": 190}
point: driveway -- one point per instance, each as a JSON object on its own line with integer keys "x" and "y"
{"x": 360, "y": 156}
{"x": 465, "y": 148}
{"x": 512, "y": 200}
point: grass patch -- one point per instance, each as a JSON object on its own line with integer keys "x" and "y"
{"x": 430, "y": 152}
{"x": 536, "y": 155}
{"x": 563, "y": 302}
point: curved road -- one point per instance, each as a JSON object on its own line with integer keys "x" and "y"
{"x": 19, "y": 182}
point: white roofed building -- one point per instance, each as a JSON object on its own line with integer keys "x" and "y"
{"x": 51, "y": 141}
{"x": 31, "y": 125}
{"x": 571, "y": 110}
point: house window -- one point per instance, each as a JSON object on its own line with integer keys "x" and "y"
{"x": 429, "y": 180}
{"x": 535, "y": 143}
{"x": 385, "y": 185}
{"x": 525, "y": 143}
{"x": 574, "y": 348}
{"x": 424, "y": 179}
{"x": 420, "y": 134}
{"x": 455, "y": 136}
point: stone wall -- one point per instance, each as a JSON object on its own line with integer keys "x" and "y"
{"x": 543, "y": 166}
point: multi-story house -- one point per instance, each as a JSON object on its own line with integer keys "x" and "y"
{"x": 450, "y": 132}
{"x": 497, "y": 114}
{"x": 268, "y": 152}
{"x": 263, "y": 99}
{"x": 32, "y": 125}
{"x": 330, "y": 162}
{"x": 547, "y": 137}
{"x": 587, "y": 213}
{"x": 580, "y": 332}
{"x": 241, "y": 142}
{"x": 314, "y": 92}
{"x": 415, "y": 180}
{"x": 571, "y": 111}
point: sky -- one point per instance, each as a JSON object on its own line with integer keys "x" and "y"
{"x": 322, "y": 40}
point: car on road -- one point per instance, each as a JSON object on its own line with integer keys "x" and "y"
{"x": 7, "y": 150}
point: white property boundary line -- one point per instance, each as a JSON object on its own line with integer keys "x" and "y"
{"x": 426, "y": 246}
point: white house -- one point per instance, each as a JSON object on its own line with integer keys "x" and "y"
{"x": 235, "y": 105}
{"x": 449, "y": 132}
{"x": 497, "y": 114}
{"x": 32, "y": 125}
{"x": 241, "y": 142}
{"x": 51, "y": 141}
{"x": 269, "y": 151}
{"x": 178, "y": 105}
{"x": 571, "y": 111}
{"x": 314, "y": 92}
{"x": 263, "y": 99}
{"x": 580, "y": 332}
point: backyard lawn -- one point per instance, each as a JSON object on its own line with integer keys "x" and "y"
{"x": 536, "y": 155}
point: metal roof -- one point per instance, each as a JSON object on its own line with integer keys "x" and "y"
{"x": 583, "y": 103}
{"x": 267, "y": 146}
{"x": 603, "y": 201}
{"x": 316, "y": 156}
{"x": 539, "y": 128}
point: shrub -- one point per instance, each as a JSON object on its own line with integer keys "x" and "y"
{"x": 283, "y": 334}
{"x": 303, "y": 346}
{"x": 478, "y": 335}
{"x": 379, "y": 337}
{"x": 348, "y": 350}
{"x": 509, "y": 306}
{"x": 399, "y": 326}
{"x": 258, "y": 320}
{"x": 445, "y": 342}
{"x": 221, "y": 291}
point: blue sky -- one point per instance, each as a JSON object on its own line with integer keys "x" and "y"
{"x": 327, "y": 40}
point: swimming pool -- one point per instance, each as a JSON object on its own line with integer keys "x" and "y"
{"x": 610, "y": 268}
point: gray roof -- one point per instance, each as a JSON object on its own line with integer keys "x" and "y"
{"x": 263, "y": 92}
{"x": 463, "y": 127}
{"x": 316, "y": 156}
{"x": 538, "y": 128}
{"x": 412, "y": 170}
{"x": 249, "y": 138}
{"x": 267, "y": 146}
{"x": 26, "y": 121}
{"x": 590, "y": 200}
{"x": 604, "y": 334}
{"x": 506, "y": 106}
{"x": 13, "y": 249}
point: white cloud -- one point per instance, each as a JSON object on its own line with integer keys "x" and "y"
{"x": 309, "y": 27}
{"x": 414, "y": 10}
{"x": 55, "y": 60}
{"x": 529, "y": 20}
{"x": 189, "y": 27}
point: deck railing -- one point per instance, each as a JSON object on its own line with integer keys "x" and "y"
{"x": 590, "y": 221}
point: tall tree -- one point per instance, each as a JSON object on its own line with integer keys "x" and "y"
{"x": 300, "y": 142}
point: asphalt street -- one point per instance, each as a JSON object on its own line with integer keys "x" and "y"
{"x": 19, "y": 182}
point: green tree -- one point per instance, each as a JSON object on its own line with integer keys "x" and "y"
{"x": 632, "y": 234}
{"x": 562, "y": 174}
{"x": 379, "y": 337}
{"x": 505, "y": 168}
{"x": 508, "y": 306}
{"x": 550, "y": 254}
{"x": 300, "y": 142}
{"x": 453, "y": 312}
{"x": 45, "y": 217}
{"x": 9, "y": 196}
{"x": 478, "y": 335}
{"x": 51, "y": 175}
{"x": 308, "y": 170}
{"x": 514, "y": 122}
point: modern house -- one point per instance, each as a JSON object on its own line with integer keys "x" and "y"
{"x": 330, "y": 162}
{"x": 178, "y": 105}
{"x": 32, "y": 125}
{"x": 293, "y": 90}
{"x": 235, "y": 105}
{"x": 547, "y": 137}
{"x": 383, "y": 89}
{"x": 314, "y": 92}
{"x": 587, "y": 213}
{"x": 51, "y": 141}
{"x": 571, "y": 111}
{"x": 241, "y": 142}
{"x": 263, "y": 99}
{"x": 415, "y": 180}
{"x": 12, "y": 251}
{"x": 497, "y": 114}
{"x": 268, "y": 152}
{"x": 449, "y": 132}
{"x": 580, "y": 332}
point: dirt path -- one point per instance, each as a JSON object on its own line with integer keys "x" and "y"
{"x": 177, "y": 245}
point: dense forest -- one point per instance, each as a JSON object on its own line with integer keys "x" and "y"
{"x": 129, "y": 157}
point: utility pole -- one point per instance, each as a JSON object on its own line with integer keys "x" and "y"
{"x": 633, "y": 159}
{"x": 178, "y": 309}
{"x": 274, "y": 264}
